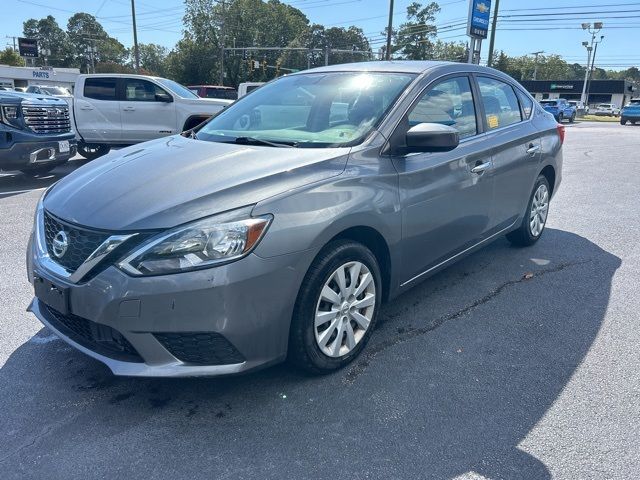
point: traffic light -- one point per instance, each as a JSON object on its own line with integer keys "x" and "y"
{"x": 278, "y": 64}
{"x": 264, "y": 66}
{"x": 250, "y": 65}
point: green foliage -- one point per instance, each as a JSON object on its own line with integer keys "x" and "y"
{"x": 10, "y": 57}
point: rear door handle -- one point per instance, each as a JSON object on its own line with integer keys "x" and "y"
{"x": 128, "y": 109}
{"x": 480, "y": 169}
{"x": 86, "y": 107}
{"x": 533, "y": 149}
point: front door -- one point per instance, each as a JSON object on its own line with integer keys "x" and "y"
{"x": 145, "y": 112}
{"x": 446, "y": 197}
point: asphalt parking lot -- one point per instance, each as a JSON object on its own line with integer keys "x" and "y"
{"x": 479, "y": 372}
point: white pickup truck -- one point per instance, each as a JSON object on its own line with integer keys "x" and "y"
{"x": 119, "y": 109}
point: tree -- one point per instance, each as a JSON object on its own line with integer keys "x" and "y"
{"x": 85, "y": 32}
{"x": 50, "y": 37}
{"x": 449, "y": 51}
{"x": 414, "y": 39}
{"x": 153, "y": 58}
{"x": 10, "y": 57}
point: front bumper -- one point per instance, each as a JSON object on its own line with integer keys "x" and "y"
{"x": 248, "y": 303}
{"x": 28, "y": 153}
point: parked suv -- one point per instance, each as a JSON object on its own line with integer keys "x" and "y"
{"x": 112, "y": 109}
{"x": 560, "y": 109}
{"x": 631, "y": 112}
{"x": 608, "y": 109}
{"x": 278, "y": 228}
{"x": 35, "y": 132}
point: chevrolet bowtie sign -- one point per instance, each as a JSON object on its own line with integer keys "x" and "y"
{"x": 479, "y": 16}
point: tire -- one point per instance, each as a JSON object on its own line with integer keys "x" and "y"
{"x": 91, "y": 151}
{"x": 310, "y": 344}
{"x": 623, "y": 121}
{"x": 560, "y": 118}
{"x": 633, "y": 122}
{"x": 525, "y": 235}
{"x": 572, "y": 118}
{"x": 40, "y": 169}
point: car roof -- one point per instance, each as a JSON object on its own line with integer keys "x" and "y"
{"x": 396, "y": 66}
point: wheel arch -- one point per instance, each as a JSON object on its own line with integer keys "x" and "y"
{"x": 194, "y": 120}
{"x": 550, "y": 174}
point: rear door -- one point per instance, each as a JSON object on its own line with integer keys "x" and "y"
{"x": 97, "y": 110}
{"x": 144, "y": 115}
{"x": 516, "y": 147}
{"x": 446, "y": 205}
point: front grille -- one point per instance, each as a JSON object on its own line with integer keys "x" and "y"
{"x": 81, "y": 242}
{"x": 201, "y": 348}
{"x": 47, "y": 119}
{"x": 97, "y": 337}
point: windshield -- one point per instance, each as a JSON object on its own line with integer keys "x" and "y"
{"x": 310, "y": 110}
{"x": 178, "y": 89}
{"x": 56, "y": 91}
{"x": 634, "y": 102}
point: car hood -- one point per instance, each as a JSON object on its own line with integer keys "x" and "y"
{"x": 174, "y": 180}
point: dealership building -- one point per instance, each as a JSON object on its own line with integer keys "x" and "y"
{"x": 12, "y": 77}
{"x": 618, "y": 92}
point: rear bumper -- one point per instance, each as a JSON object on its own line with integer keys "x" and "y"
{"x": 19, "y": 150}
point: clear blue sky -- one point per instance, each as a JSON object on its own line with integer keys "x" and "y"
{"x": 160, "y": 21}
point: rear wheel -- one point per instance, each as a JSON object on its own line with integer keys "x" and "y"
{"x": 560, "y": 117}
{"x": 91, "y": 151}
{"x": 336, "y": 308}
{"x": 573, "y": 118}
{"x": 535, "y": 217}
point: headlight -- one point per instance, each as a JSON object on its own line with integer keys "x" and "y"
{"x": 9, "y": 115}
{"x": 205, "y": 243}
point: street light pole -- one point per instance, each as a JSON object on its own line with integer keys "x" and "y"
{"x": 591, "y": 69}
{"x": 597, "y": 26}
{"x": 535, "y": 65}
{"x": 389, "y": 30}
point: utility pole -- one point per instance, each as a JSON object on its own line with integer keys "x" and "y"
{"x": 136, "y": 52}
{"x": 222, "y": 30}
{"x": 535, "y": 64}
{"x": 389, "y": 31}
{"x": 597, "y": 26}
{"x": 492, "y": 40}
{"x": 326, "y": 55}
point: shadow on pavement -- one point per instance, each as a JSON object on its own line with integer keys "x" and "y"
{"x": 459, "y": 372}
{"x": 13, "y": 183}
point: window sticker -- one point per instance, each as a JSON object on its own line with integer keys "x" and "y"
{"x": 493, "y": 121}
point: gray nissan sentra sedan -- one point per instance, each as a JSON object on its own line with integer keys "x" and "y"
{"x": 279, "y": 227}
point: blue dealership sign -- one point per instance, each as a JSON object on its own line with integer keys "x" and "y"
{"x": 479, "y": 17}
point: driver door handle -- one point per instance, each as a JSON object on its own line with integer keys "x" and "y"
{"x": 533, "y": 149}
{"x": 128, "y": 109}
{"x": 480, "y": 169}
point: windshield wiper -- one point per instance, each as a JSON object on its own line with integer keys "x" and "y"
{"x": 260, "y": 141}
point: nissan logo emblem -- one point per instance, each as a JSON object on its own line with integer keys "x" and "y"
{"x": 60, "y": 244}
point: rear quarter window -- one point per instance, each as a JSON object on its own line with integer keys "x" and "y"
{"x": 100, "y": 88}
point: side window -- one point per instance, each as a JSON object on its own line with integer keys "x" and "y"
{"x": 500, "y": 103}
{"x": 100, "y": 88}
{"x": 527, "y": 104}
{"x": 138, "y": 90}
{"x": 449, "y": 103}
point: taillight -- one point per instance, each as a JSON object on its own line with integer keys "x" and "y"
{"x": 561, "y": 132}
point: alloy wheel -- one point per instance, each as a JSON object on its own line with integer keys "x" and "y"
{"x": 539, "y": 210}
{"x": 345, "y": 309}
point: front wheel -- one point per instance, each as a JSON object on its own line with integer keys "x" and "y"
{"x": 535, "y": 217}
{"x": 572, "y": 118}
{"x": 623, "y": 121}
{"x": 336, "y": 308}
{"x": 560, "y": 118}
{"x": 91, "y": 151}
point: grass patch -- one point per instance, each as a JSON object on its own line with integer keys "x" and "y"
{"x": 597, "y": 118}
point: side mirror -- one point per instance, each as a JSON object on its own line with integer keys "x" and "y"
{"x": 432, "y": 137}
{"x": 164, "y": 97}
